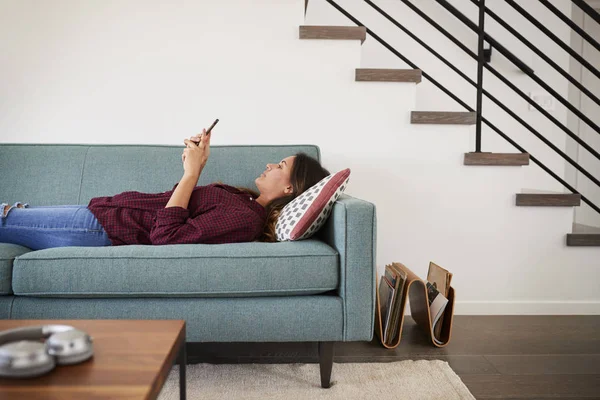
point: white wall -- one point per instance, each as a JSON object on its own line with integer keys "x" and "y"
{"x": 585, "y": 215}
{"x": 150, "y": 72}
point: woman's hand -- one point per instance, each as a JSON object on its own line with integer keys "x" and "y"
{"x": 195, "y": 156}
{"x": 196, "y": 138}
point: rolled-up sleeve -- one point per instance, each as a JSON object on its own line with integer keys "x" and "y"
{"x": 173, "y": 225}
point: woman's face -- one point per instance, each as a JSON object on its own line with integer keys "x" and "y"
{"x": 275, "y": 181}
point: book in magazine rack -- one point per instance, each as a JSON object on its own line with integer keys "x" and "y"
{"x": 419, "y": 310}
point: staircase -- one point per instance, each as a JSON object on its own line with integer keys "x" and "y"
{"x": 579, "y": 237}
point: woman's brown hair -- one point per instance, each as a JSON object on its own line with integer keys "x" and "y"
{"x": 306, "y": 172}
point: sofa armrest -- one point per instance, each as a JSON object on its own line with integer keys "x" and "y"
{"x": 352, "y": 231}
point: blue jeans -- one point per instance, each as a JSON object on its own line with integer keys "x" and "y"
{"x": 42, "y": 227}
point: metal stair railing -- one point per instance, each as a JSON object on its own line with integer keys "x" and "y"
{"x": 587, "y": 9}
{"x": 479, "y": 84}
{"x": 532, "y": 75}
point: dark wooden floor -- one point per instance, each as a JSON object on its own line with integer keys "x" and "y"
{"x": 497, "y": 357}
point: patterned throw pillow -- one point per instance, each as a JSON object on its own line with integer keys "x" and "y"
{"x": 306, "y": 214}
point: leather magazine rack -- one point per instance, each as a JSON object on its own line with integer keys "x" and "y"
{"x": 419, "y": 309}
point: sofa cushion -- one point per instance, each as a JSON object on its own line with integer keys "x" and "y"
{"x": 6, "y": 303}
{"x": 187, "y": 270}
{"x": 8, "y": 252}
{"x": 42, "y": 174}
{"x": 56, "y": 174}
{"x": 154, "y": 169}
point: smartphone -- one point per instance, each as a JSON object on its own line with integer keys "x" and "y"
{"x": 213, "y": 125}
{"x": 210, "y": 129}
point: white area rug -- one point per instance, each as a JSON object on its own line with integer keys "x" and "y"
{"x": 422, "y": 379}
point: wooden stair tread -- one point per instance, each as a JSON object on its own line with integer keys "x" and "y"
{"x": 443, "y": 117}
{"x": 504, "y": 159}
{"x": 583, "y": 239}
{"x": 556, "y": 200}
{"x": 388, "y": 75}
{"x": 333, "y": 32}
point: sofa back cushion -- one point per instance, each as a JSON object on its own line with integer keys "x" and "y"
{"x": 41, "y": 175}
{"x": 55, "y": 174}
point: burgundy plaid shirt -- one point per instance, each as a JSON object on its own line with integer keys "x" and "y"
{"x": 216, "y": 213}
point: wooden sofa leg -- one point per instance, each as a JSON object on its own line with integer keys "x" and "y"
{"x": 326, "y": 363}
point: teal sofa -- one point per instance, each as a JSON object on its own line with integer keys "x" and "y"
{"x": 316, "y": 290}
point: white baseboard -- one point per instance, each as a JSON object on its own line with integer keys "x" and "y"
{"x": 591, "y": 307}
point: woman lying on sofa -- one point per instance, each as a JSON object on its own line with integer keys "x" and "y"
{"x": 215, "y": 213}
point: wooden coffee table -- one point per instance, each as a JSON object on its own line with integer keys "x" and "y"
{"x": 132, "y": 360}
